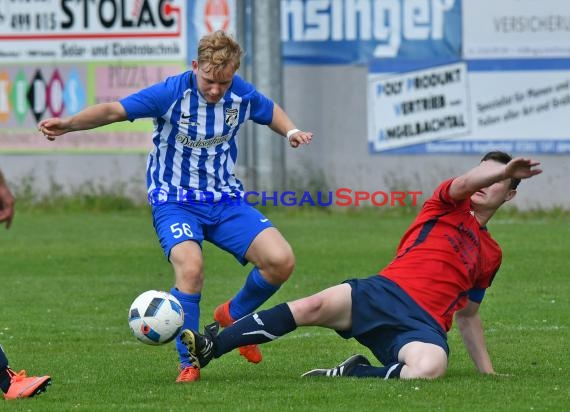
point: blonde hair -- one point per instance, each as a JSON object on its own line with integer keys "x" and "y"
{"x": 218, "y": 50}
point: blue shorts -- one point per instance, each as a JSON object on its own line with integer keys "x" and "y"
{"x": 385, "y": 318}
{"x": 230, "y": 226}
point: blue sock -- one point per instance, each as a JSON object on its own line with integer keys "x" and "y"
{"x": 191, "y": 306}
{"x": 252, "y": 295}
{"x": 391, "y": 371}
{"x": 260, "y": 327}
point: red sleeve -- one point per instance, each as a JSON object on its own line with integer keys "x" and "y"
{"x": 442, "y": 200}
{"x": 487, "y": 279}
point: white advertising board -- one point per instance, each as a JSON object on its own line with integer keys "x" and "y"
{"x": 516, "y": 29}
{"x": 519, "y": 106}
{"x": 417, "y": 107}
{"x": 68, "y": 30}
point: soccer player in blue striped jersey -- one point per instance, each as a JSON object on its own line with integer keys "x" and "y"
{"x": 190, "y": 178}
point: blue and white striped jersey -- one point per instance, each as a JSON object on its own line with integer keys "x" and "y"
{"x": 195, "y": 143}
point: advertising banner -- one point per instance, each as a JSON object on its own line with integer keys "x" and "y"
{"x": 522, "y": 108}
{"x": 59, "y": 56}
{"x": 33, "y": 92}
{"x": 519, "y": 106}
{"x": 207, "y": 16}
{"x": 516, "y": 29}
{"x": 69, "y": 30}
{"x": 419, "y": 106}
{"x": 356, "y": 31}
{"x": 29, "y": 94}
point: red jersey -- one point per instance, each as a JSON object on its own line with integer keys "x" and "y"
{"x": 444, "y": 254}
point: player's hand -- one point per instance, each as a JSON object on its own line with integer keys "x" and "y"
{"x": 53, "y": 127}
{"x": 299, "y": 138}
{"x": 521, "y": 168}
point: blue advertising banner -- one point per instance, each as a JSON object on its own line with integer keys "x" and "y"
{"x": 356, "y": 31}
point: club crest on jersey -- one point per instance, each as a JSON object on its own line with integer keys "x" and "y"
{"x": 231, "y": 117}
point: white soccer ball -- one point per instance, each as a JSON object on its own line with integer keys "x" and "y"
{"x": 156, "y": 317}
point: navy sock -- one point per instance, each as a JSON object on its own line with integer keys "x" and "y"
{"x": 4, "y": 377}
{"x": 191, "y": 305}
{"x": 3, "y": 359}
{"x": 260, "y": 327}
{"x": 4, "y": 380}
{"x": 252, "y": 295}
{"x": 391, "y": 371}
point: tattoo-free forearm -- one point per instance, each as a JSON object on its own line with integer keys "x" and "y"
{"x": 484, "y": 175}
{"x": 471, "y": 329}
{"x": 96, "y": 116}
{"x": 280, "y": 123}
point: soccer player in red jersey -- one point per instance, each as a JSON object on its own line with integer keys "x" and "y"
{"x": 443, "y": 265}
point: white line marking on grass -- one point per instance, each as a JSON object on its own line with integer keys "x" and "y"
{"x": 311, "y": 335}
{"x": 527, "y": 328}
{"x": 519, "y": 222}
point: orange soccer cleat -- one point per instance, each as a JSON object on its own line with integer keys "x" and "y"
{"x": 223, "y": 317}
{"x": 22, "y": 386}
{"x": 189, "y": 374}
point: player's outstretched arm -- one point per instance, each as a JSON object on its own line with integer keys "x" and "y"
{"x": 89, "y": 118}
{"x": 489, "y": 172}
{"x": 471, "y": 329}
{"x": 282, "y": 125}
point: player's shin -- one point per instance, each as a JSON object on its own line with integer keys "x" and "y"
{"x": 191, "y": 305}
{"x": 253, "y": 294}
{"x": 260, "y": 327}
{"x": 391, "y": 371}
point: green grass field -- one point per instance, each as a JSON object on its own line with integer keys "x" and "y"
{"x": 67, "y": 281}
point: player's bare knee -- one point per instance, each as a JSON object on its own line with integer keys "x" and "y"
{"x": 428, "y": 369}
{"x": 307, "y": 310}
{"x": 189, "y": 276}
{"x": 423, "y": 361}
{"x": 279, "y": 267}
{"x": 431, "y": 366}
{"x": 286, "y": 265}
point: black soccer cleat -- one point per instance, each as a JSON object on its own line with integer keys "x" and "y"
{"x": 343, "y": 369}
{"x": 200, "y": 347}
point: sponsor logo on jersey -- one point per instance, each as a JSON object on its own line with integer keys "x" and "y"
{"x": 201, "y": 143}
{"x": 188, "y": 119}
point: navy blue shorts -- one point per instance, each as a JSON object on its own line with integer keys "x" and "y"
{"x": 230, "y": 226}
{"x": 385, "y": 318}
